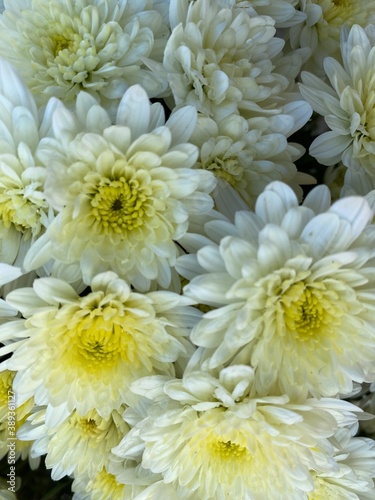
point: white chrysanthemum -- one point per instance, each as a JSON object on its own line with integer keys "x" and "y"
{"x": 320, "y": 31}
{"x": 23, "y": 206}
{"x": 85, "y": 351}
{"x": 348, "y": 105}
{"x": 124, "y": 192}
{"x": 107, "y": 484}
{"x": 100, "y": 46}
{"x": 353, "y": 480}
{"x": 291, "y": 291}
{"x": 220, "y": 60}
{"x": 214, "y": 438}
{"x": 79, "y": 445}
{"x": 249, "y": 154}
{"x": 12, "y": 416}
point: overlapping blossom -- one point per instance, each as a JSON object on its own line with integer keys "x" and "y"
{"x": 249, "y": 154}
{"x": 219, "y": 438}
{"x": 24, "y": 211}
{"x": 321, "y": 28}
{"x": 347, "y": 104}
{"x": 123, "y": 192}
{"x": 81, "y": 353}
{"x": 290, "y": 287}
{"x": 220, "y": 60}
{"x": 100, "y": 46}
{"x": 91, "y": 438}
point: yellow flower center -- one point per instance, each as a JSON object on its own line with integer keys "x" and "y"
{"x": 309, "y": 312}
{"x": 6, "y": 383}
{"x": 119, "y": 206}
{"x": 99, "y": 345}
{"x": 335, "y": 12}
{"x": 60, "y": 42}
{"x": 105, "y": 485}
{"x": 20, "y": 212}
{"x": 226, "y": 450}
{"x": 88, "y": 427}
{"x": 230, "y": 170}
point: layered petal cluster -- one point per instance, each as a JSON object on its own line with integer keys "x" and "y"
{"x": 320, "y": 30}
{"x": 90, "y": 439}
{"x": 220, "y": 60}
{"x": 211, "y": 436}
{"x": 24, "y": 210}
{"x": 249, "y": 154}
{"x": 99, "y": 46}
{"x": 12, "y": 416}
{"x": 81, "y": 353}
{"x": 124, "y": 192}
{"x": 290, "y": 288}
{"x": 347, "y": 104}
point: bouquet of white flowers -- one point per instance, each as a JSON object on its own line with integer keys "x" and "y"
{"x": 183, "y": 314}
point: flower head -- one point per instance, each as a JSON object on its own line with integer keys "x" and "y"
{"x": 219, "y": 59}
{"x": 249, "y": 154}
{"x": 61, "y": 48}
{"x": 211, "y": 436}
{"x": 347, "y": 104}
{"x": 320, "y": 30}
{"x": 83, "y": 352}
{"x": 91, "y": 438}
{"x": 24, "y": 210}
{"x": 290, "y": 290}
{"x": 124, "y": 192}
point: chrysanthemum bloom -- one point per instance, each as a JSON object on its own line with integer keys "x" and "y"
{"x": 291, "y": 291}
{"x": 320, "y": 31}
{"x": 78, "y": 445}
{"x": 23, "y": 206}
{"x": 212, "y": 437}
{"x": 220, "y": 60}
{"x": 249, "y": 154}
{"x": 12, "y": 417}
{"x": 61, "y": 48}
{"x": 347, "y": 104}
{"x": 124, "y": 193}
{"x": 83, "y": 352}
{"x": 354, "y": 477}
{"x": 107, "y": 484}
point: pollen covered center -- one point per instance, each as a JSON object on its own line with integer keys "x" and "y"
{"x": 309, "y": 312}
{"x": 120, "y": 206}
{"x": 227, "y": 450}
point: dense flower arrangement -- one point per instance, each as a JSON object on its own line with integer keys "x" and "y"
{"x": 183, "y": 315}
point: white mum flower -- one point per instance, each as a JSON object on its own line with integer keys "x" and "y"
{"x": 61, "y": 48}
{"x": 354, "y": 477}
{"x": 83, "y": 352}
{"x": 24, "y": 211}
{"x": 291, "y": 292}
{"x": 324, "y": 19}
{"x": 12, "y": 416}
{"x": 124, "y": 193}
{"x": 108, "y": 484}
{"x": 89, "y": 437}
{"x": 212, "y": 437}
{"x": 347, "y": 104}
{"x": 249, "y": 154}
{"x": 220, "y": 60}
